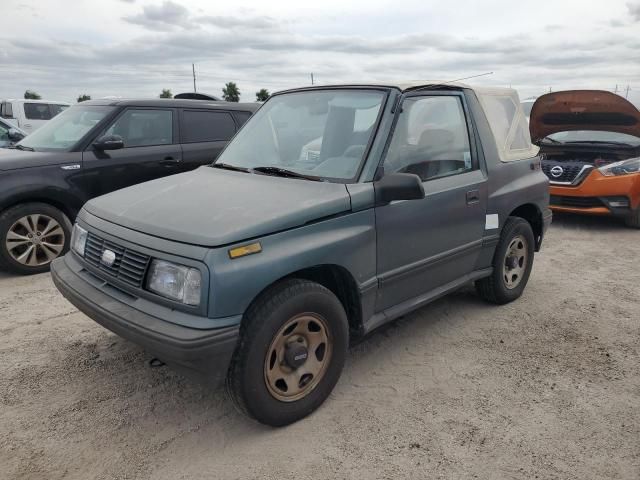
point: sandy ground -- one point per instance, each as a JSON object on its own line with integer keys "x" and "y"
{"x": 547, "y": 387}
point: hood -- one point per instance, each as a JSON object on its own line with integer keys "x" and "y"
{"x": 11, "y": 158}
{"x": 582, "y": 110}
{"x": 213, "y": 207}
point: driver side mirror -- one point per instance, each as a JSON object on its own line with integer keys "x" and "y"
{"x": 109, "y": 142}
{"x": 398, "y": 186}
{"x": 14, "y": 135}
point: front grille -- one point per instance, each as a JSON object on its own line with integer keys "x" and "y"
{"x": 575, "y": 202}
{"x": 129, "y": 266}
{"x": 570, "y": 170}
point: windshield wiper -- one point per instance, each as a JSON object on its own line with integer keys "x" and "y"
{"x": 283, "y": 172}
{"x": 228, "y": 166}
{"x": 22, "y": 147}
{"x": 551, "y": 140}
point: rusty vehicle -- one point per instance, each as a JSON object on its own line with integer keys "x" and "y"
{"x": 590, "y": 146}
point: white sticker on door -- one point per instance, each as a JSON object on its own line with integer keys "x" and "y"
{"x": 491, "y": 222}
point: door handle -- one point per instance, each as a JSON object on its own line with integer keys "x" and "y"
{"x": 473, "y": 197}
{"x": 169, "y": 160}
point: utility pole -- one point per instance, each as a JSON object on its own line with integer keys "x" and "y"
{"x": 626, "y": 95}
{"x": 616, "y": 89}
{"x": 193, "y": 68}
{"x": 312, "y": 79}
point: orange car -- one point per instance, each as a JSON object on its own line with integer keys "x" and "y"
{"x": 590, "y": 146}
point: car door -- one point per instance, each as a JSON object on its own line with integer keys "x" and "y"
{"x": 426, "y": 244}
{"x": 203, "y": 135}
{"x": 151, "y": 150}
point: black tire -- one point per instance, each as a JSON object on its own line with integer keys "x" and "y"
{"x": 494, "y": 288}
{"x": 246, "y": 382}
{"x": 633, "y": 220}
{"x": 10, "y": 216}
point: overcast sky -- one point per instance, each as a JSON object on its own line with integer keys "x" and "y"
{"x": 137, "y": 47}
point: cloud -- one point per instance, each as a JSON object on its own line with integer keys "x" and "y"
{"x": 166, "y": 16}
{"x": 634, "y": 10}
{"x": 154, "y": 49}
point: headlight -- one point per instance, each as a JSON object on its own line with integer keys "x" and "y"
{"x": 78, "y": 239}
{"x": 176, "y": 282}
{"x": 621, "y": 168}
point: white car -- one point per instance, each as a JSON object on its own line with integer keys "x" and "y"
{"x": 29, "y": 115}
{"x": 527, "y": 104}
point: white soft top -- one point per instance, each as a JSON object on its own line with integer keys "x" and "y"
{"x": 501, "y": 107}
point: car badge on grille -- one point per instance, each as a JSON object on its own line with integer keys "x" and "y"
{"x": 557, "y": 171}
{"x": 108, "y": 258}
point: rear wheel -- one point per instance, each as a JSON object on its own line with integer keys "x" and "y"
{"x": 32, "y": 236}
{"x": 512, "y": 263}
{"x": 292, "y": 349}
{"x": 633, "y": 220}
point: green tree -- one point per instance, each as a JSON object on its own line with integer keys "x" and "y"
{"x": 262, "y": 95}
{"x": 231, "y": 92}
{"x": 31, "y": 95}
{"x": 83, "y": 97}
{"x": 166, "y": 93}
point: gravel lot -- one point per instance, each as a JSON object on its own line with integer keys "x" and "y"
{"x": 547, "y": 387}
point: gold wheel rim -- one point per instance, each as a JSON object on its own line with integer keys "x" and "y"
{"x": 515, "y": 262}
{"x": 287, "y": 383}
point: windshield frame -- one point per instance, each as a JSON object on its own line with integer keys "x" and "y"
{"x": 386, "y": 91}
{"x": 83, "y": 142}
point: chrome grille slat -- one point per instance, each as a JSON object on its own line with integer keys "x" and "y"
{"x": 129, "y": 266}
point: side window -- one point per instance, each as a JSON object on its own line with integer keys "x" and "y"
{"x": 6, "y": 110}
{"x": 431, "y": 139}
{"x": 141, "y": 128}
{"x": 4, "y": 133}
{"x": 242, "y": 117}
{"x": 510, "y": 129}
{"x": 206, "y": 126}
{"x": 37, "y": 111}
{"x": 56, "y": 109}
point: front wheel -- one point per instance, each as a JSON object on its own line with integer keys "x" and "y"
{"x": 32, "y": 236}
{"x": 633, "y": 220}
{"x": 512, "y": 263}
{"x": 292, "y": 349}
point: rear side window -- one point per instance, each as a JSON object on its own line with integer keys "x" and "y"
{"x": 206, "y": 126}
{"x": 56, "y": 109}
{"x": 242, "y": 117}
{"x": 142, "y": 128}
{"x": 37, "y": 111}
{"x": 509, "y": 129}
{"x": 6, "y": 110}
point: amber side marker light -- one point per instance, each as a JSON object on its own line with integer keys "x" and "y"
{"x": 252, "y": 248}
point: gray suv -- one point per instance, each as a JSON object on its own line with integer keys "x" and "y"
{"x": 333, "y": 211}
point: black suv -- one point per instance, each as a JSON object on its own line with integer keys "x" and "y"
{"x": 94, "y": 148}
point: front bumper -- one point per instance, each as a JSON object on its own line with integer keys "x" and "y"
{"x": 596, "y": 192}
{"x": 204, "y": 352}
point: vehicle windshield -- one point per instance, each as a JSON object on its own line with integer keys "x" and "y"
{"x": 63, "y": 131}
{"x": 320, "y": 133}
{"x": 526, "y": 108}
{"x": 579, "y": 136}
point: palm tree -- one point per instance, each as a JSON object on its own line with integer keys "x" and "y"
{"x": 31, "y": 95}
{"x": 166, "y": 93}
{"x": 84, "y": 97}
{"x": 262, "y": 95}
{"x": 231, "y": 92}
